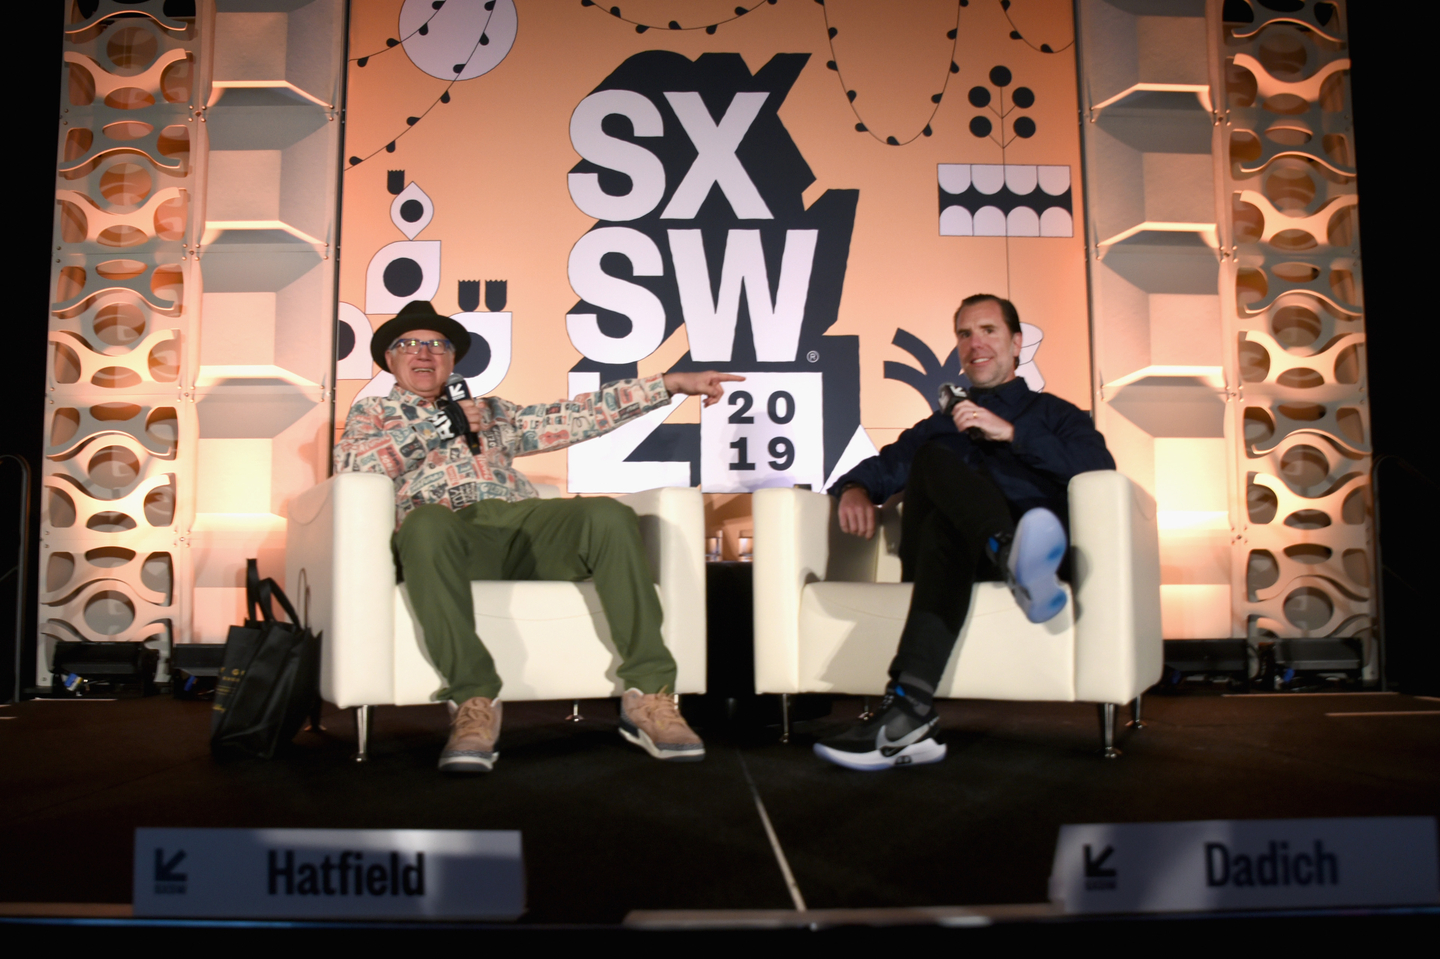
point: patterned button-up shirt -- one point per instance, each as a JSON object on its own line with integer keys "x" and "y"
{"x": 393, "y": 435}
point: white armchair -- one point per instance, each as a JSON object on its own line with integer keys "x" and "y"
{"x": 550, "y": 640}
{"x": 829, "y": 607}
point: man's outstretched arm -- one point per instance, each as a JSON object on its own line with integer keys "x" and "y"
{"x": 706, "y": 384}
{"x": 553, "y": 426}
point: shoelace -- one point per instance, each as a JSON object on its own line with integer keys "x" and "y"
{"x": 474, "y": 712}
{"x": 661, "y": 710}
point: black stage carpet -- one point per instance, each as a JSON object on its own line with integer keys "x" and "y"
{"x": 608, "y": 830}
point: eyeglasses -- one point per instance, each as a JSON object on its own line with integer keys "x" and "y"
{"x": 413, "y": 346}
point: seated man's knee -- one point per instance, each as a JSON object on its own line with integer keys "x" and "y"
{"x": 934, "y": 455}
{"x": 425, "y": 523}
{"x": 604, "y": 513}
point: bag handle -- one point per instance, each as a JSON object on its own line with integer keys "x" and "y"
{"x": 255, "y": 594}
{"x": 259, "y": 593}
{"x": 268, "y": 589}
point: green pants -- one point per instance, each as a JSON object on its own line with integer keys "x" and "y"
{"x": 440, "y": 552}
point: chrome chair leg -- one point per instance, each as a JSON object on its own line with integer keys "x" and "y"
{"x": 362, "y": 733}
{"x": 784, "y": 717}
{"x": 574, "y": 716}
{"x": 1107, "y": 730}
{"x": 1135, "y": 721}
{"x": 865, "y": 714}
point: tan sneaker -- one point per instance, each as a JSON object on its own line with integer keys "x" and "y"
{"x": 653, "y": 722}
{"x": 474, "y": 728}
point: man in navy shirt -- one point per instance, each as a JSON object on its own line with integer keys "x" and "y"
{"x": 985, "y": 499}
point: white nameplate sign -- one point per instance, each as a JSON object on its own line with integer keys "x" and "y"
{"x": 1245, "y": 864}
{"x": 329, "y": 873}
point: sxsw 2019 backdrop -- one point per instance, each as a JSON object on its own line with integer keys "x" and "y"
{"x": 797, "y": 192}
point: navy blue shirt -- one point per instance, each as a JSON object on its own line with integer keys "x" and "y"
{"x": 1054, "y": 440}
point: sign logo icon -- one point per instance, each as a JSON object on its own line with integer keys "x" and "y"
{"x": 1096, "y": 875}
{"x": 168, "y": 880}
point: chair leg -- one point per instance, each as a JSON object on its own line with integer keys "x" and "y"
{"x": 865, "y": 714}
{"x": 1107, "y": 730}
{"x": 362, "y": 733}
{"x": 784, "y": 717}
{"x": 574, "y": 716}
{"x": 1135, "y": 721}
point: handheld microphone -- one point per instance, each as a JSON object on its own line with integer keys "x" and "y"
{"x": 950, "y": 396}
{"x": 456, "y": 389}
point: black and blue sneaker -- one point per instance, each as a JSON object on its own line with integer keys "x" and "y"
{"x": 901, "y": 733}
{"x": 1030, "y": 560}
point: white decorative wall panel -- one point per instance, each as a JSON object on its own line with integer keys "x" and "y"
{"x": 1226, "y": 305}
{"x": 191, "y": 324}
{"x": 120, "y": 433}
{"x": 1294, "y": 318}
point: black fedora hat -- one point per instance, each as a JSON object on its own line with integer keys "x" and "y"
{"x": 417, "y": 315}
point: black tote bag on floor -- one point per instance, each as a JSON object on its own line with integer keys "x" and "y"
{"x": 270, "y": 680}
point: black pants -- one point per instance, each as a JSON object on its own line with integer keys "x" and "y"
{"x": 950, "y": 512}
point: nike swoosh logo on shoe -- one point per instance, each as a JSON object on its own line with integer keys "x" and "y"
{"x": 889, "y": 747}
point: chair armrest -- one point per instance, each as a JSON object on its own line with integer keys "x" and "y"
{"x": 792, "y": 548}
{"x": 1119, "y": 652}
{"x": 340, "y": 574}
{"x": 672, "y": 525}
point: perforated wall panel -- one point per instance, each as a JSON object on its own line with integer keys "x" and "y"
{"x": 191, "y": 322}
{"x": 1226, "y": 306}
{"x": 1294, "y": 319}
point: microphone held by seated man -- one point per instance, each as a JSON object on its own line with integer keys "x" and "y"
{"x": 985, "y": 481}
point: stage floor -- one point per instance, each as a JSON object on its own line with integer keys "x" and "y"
{"x": 607, "y": 830}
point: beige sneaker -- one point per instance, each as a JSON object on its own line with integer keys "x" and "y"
{"x": 653, "y": 722}
{"x": 474, "y": 728}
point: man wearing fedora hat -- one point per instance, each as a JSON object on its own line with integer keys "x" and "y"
{"x": 463, "y": 515}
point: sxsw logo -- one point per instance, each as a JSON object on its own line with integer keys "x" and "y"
{"x": 701, "y": 221}
{"x": 664, "y": 145}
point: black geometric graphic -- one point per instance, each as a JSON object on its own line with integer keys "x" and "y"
{"x": 444, "y": 97}
{"x": 1016, "y": 35}
{"x": 477, "y": 360}
{"x": 495, "y": 295}
{"x": 926, "y": 380}
{"x": 709, "y": 28}
{"x": 403, "y": 276}
{"x": 468, "y": 295}
{"x": 978, "y": 199}
{"x": 1022, "y": 98}
{"x": 851, "y": 94}
{"x": 391, "y": 43}
{"x": 344, "y": 340}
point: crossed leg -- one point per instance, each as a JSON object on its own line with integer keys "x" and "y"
{"x": 950, "y": 513}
